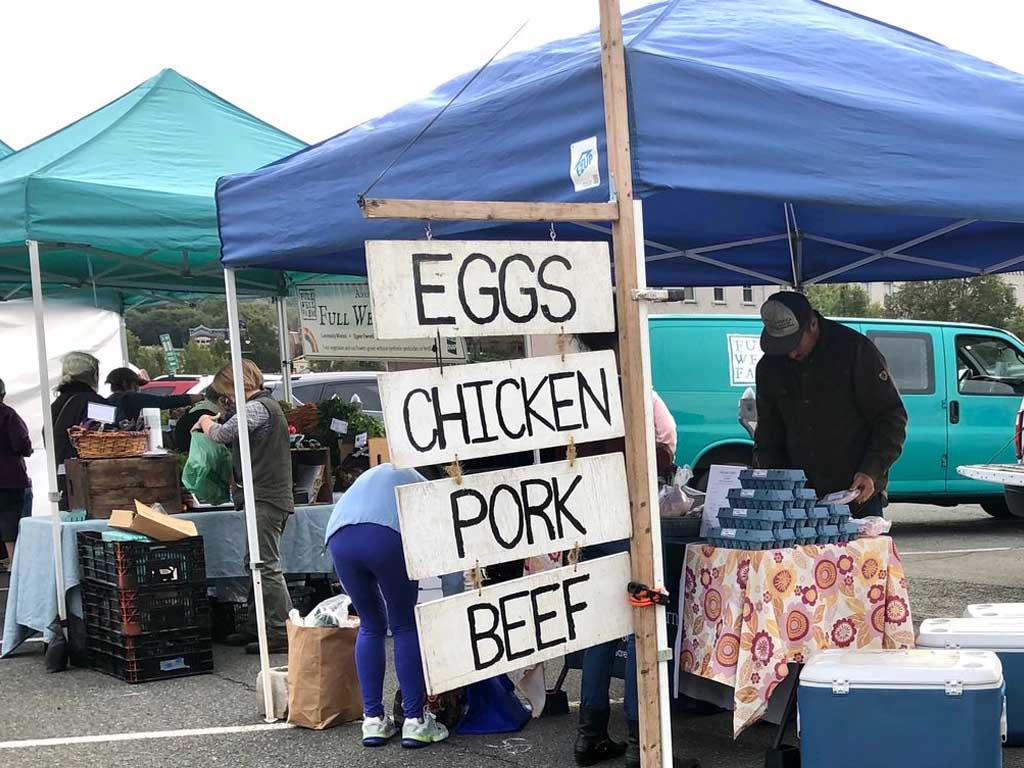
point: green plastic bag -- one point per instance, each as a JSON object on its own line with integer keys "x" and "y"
{"x": 207, "y": 473}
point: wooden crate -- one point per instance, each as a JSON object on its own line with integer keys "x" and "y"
{"x": 379, "y": 453}
{"x": 101, "y": 485}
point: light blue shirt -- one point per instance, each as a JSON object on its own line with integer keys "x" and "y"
{"x": 371, "y": 499}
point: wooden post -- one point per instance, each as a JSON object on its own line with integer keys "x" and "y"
{"x": 636, "y": 393}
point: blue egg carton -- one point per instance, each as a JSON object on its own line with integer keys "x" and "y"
{"x": 838, "y": 513}
{"x": 773, "y": 479}
{"x": 805, "y": 534}
{"x": 785, "y": 537}
{"x": 828, "y": 534}
{"x": 849, "y": 532}
{"x": 743, "y": 538}
{"x": 817, "y": 515}
{"x": 795, "y": 517}
{"x": 759, "y": 519}
{"x": 805, "y": 497}
{"x": 754, "y": 498}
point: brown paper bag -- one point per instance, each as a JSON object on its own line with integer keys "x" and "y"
{"x": 323, "y": 688}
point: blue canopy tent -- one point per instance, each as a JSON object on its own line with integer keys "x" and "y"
{"x": 774, "y": 141}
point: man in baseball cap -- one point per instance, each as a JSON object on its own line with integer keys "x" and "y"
{"x": 826, "y": 404}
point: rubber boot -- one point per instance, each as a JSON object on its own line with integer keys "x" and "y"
{"x": 593, "y": 745}
{"x": 633, "y": 744}
{"x": 633, "y": 750}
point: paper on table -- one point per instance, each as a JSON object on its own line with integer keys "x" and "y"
{"x": 721, "y": 479}
{"x": 839, "y": 497}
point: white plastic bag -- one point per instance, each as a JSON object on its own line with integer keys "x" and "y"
{"x": 677, "y": 499}
{"x": 332, "y": 612}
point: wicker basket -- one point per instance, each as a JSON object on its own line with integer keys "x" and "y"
{"x": 107, "y": 445}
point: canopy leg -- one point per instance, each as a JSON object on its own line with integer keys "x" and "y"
{"x": 44, "y": 402}
{"x": 235, "y": 343}
{"x": 284, "y": 343}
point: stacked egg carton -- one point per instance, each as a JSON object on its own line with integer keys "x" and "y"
{"x": 773, "y": 508}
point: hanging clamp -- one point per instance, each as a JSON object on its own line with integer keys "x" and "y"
{"x": 658, "y": 295}
{"x": 642, "y": 596}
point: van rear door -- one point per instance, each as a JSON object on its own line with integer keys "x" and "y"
{"x": 985, "y": 374}
{"x": 915, "y": 356}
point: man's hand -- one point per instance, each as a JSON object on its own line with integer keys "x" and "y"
{"x": 865, "y": 487}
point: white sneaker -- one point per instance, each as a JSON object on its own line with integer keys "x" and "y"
{"x": 377, "y": 731}
{"x": 423, "y": 732}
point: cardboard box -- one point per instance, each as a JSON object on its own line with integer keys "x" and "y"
{"x": 151, "y": 523}
{"x": 379, "y": 453}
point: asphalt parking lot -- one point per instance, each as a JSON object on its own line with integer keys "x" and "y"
{"x": 952, "y": 557}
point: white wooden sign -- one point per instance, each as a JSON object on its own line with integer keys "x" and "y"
{"x": 489, "y": 409}
{"x": 420, "y": 288}
{"x": 474, "y": 636}
{"x": 511, "y": 514}
{"x": 338, "y": 323}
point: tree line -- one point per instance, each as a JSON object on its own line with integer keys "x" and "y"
{"x": 986, "y": 300}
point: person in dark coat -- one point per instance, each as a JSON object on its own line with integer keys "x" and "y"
{"x": 80, "y": 378}
{"x": 826, "y": 404}
{"x": 129, "y": 401}
{"x": 15, "y": 447}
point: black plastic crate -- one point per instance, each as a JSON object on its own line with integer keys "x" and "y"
{"x": 132, "y": 612}
{"x": 227, "y": 618}
{"x": 137, "y": 564}
{"x": 157, "y": 656}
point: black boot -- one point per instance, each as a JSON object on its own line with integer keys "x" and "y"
{"x": 633, "y": 743}
{"x": 593, "y": 745}
{"x": 633, "y": 750}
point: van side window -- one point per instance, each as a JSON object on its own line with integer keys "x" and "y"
{"x": 911, "y": 360}
{"x": 988, "y": 365}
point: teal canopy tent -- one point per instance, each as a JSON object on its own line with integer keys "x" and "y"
{"x": 124, "y": 197}
{"x": 5, "y": 150}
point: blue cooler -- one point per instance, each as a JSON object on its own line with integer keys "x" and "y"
{"x": 911, "y": 709}
{"x": 1005, "y": 638}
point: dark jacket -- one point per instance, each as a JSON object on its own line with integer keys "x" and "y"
{"x": 130, "y": 404}
{"x": 15, "y": 446}
{"x": 834, "y": 415}
{"x": 69, "y": 410}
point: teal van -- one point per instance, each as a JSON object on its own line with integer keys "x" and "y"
{"x": 961, "y": 384}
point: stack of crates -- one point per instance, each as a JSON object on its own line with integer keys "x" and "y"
{"x": 773, "y": 508}
{"x": 147, "y": 614}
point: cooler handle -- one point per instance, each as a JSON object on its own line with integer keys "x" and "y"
{"x": 1003, "y": 728}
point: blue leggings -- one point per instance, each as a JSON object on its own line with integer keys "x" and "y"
{"x": 370, "y": 563}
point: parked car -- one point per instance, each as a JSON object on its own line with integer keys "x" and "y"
{"x": 961, "y": 385}
{"x": 172, "y": 385}
{"x": 349, "y": 386}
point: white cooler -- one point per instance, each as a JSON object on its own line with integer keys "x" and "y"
{"x": 912, "y": 709}
{"x": 995, "y": 611}
{"x": 1002, "y": 636}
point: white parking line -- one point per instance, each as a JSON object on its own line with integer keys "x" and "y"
{"x": 109, "y": 737}
{"x": 962, "y": 551}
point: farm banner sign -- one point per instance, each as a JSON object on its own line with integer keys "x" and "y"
{"x": 338, "y": 323}
{"x": 422, "y": 288}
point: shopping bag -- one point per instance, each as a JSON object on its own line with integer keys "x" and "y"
{"x": 207, "y": 472}
{"x": 323, "y": 688}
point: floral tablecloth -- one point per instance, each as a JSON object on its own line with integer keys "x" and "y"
{"x": 746, "y": 615}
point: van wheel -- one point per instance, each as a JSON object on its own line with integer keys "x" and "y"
{"x": 1013, "y": 502}
{"x": 733, "y": 457}
{"x": 997, "y": 508}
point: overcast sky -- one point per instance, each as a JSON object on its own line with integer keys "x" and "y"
{"x": 316, "y": 68}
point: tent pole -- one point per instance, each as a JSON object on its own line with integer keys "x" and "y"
{"x": 661, "y": 627}
{"x": 44, "y": 402}
{"x": 235, "y": 343}
{"x": 284, "y": 344}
